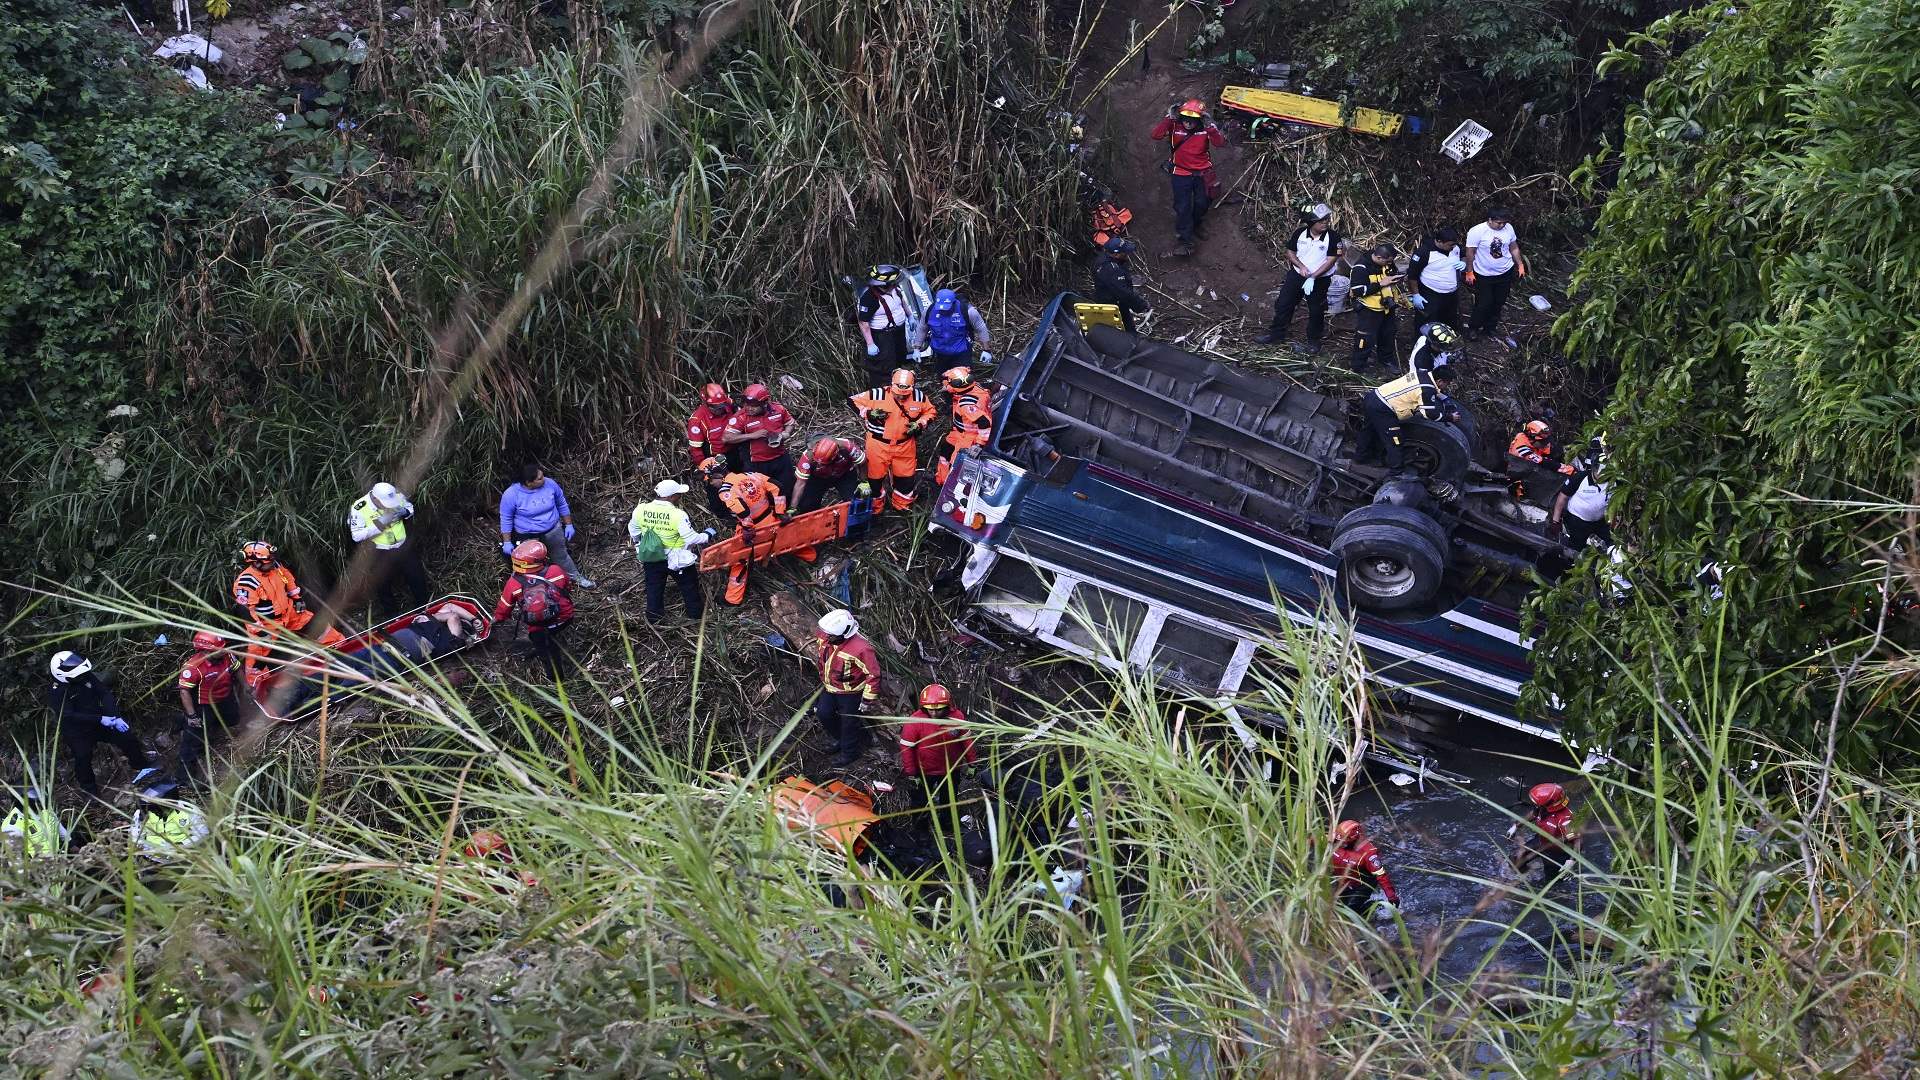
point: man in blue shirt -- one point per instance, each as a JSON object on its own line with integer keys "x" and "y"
{"x": 536, "y": 509}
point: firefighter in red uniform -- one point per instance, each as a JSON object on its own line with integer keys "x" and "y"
{"x": 849, "y": 683}
{"x": 830, "y": 465}
{"x": 1532, "y": 449}
{"x": 931, "y": 748}
{"x": 1356, "y": 868}
{"x": 1550, "y": 837}
{"x": 704, "y": 428}
{"x": 761, "y": 426}
{"x": 756, "y": 507}
{"x": 972, "y": 413}
{"x": 537, "y": 589}
{"x": 207, "y": 699}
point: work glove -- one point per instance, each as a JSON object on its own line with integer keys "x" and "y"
{"x": 878, "y": 416}
{"x": 569, "y": 531}
{"x": 1307, "y": 289}
{"x": 386, "y": 519}
{"x": 114, "y": 722}
{"x": 506, "y": 548}
{"x": 1419, "y": 302}
{"x": 873, "y": 350}
{"x": 986, "y": 357}
{"x": 1469, "y": 277}
{"x": 192, "y": 720}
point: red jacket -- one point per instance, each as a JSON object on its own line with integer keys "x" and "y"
{"x": 1192, "y": 151}
{"x": 1552, "y": 824}
{"x": 769, "y": 430}
{"x": 847, "y": 455}
{"x": 849, "y": 666}
{"x": 929, "y": 748}
{"x": 207, "y": 679}
{"x": 703, "y": 434}
{"x": 1360, "y": 866}
{"x": 511, "y": 592}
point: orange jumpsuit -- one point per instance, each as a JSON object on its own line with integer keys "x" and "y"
{"x": 756, "y": 506}
{"x": 273, "y": 596}
{"x": 1524, "y": 456}
{"x": 893, "y": 420}
{"x": 972, "y": 426}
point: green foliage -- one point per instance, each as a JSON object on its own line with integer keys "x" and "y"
{"x": 1753, "y": 274}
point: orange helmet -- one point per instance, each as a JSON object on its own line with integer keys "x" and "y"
{"x": 1539, "y": 430}
{"x": 716, "y": 395}
{"x": 258, "y": 551}
{"x": 902, "y": 381}
{"x": 1349, "y": 832}
{"x": 934, "y": 696}
{"x": 826, "y": 450}
{"x": 713, "y": 468}
{"x": 487, "y": 844}
{"x": 1193, "y": 108}
{"x": 208, "y": 641}
{"x": 756, "y": 394}
{"x": 529, "y": 555}
{"x": 1547, "y": 796}
{"x": 955, "y": 379}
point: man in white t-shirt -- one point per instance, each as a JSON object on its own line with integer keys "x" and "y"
{"x": 1493, "y": 262}
{"x": 1311, "y": 254}
{"x": 1580, "y": 510}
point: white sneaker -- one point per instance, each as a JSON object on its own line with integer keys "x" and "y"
{"x": 585, "y": 582}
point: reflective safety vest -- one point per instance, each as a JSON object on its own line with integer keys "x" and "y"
{"x": 271, "y": 596}
{"x": 949, "y": 332}
{"x": 38, "y": 831}
{"x": 662, "y": 519}
{"x": 168, "y": 833}
{"x": 1408, "y": 394}
{"x": 896, "y": 415}
{"x": 367, "y": 516}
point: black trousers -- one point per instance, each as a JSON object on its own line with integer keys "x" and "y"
{"x": 779, "y": 470}
{"x": 944, "y": 360}
{"x": 547, "y": 645}
{"x": 1357, "y": 897}
{"x": 400, "y": 569}
{"x": 1124, "y": 303}
{"x": 892, "y": 343}
{"x": 81, "y": 738}
{"x": 1489, "y": 296}
{"x": 689, "y": 582}
{"x": 1580, "y": 530}
{"x": 736, "y": 456}
{"x": 1382, "y": 433}
{"x": 839, "y": 715}
{"x": 816, "y": 494}
{"x": 1289, "y": 298}
{"x": 194, "y": 739}
{"x": 1373, "y": 333}
{"x": 1441, "y": 306}
{"x": 1189, "y": 205}
{"x": 932, "y": 797}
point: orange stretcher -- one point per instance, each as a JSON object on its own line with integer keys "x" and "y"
{"x": 1318, "y": 112}
{"x": 836, "y": 814}
{"x": 270, "y": 674}
{"x": 802, "y": 530}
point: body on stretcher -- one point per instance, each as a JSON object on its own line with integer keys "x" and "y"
{"x": 278, "y": 672}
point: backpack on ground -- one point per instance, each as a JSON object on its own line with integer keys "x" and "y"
{"x": 539, "y": 599}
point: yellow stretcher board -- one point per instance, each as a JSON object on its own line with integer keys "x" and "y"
{"x": 1091, "y": 315}
{"x": 1319, "y": 112}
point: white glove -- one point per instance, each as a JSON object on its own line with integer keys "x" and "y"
{"x": 387, "y": 518}
{"x": 1384, "y": 911}
{"x": 986, "y": 357}
{"x": 1307, "y": 289}
{"x": 113, "y": 722}
{"x": 919, "y": 354}
{"x": 1459, "y": 264}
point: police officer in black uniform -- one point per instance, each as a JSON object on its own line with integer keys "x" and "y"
{"x": 1113, "y": 284}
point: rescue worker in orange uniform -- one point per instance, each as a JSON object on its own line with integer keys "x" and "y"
{"x": 207, "y": 700}
{"x": 1549, "y": 836}
{"x": 849, "y": 682}
{"x": 931, "y": 748}
{"x": 829, "y": 465}
{"x": 756, "y": 507}
{"x": 265, "y": 590}
{"x": 895, "y": 415}
{"x": 1355, "y": 867}
{"x": 704, "y": 429}
{"x": 1532, "y": 448}
{"x": 972, "y": 412}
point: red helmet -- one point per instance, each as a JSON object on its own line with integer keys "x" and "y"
{"x": 934, "y": 696}
{"x": 902, "y": 382}
{"x": 756, "y": 394}
{"x": 1547, "y": 796}
{"x": 207, "y": 640}
{"x": 716, "y": 395}
{"x": 1193, "y": 108}
{"x": 487, "y": 844}
{"x": 529, "y": 555}
{"x": 1349, "y": 832}
{"x": 258, "y": 551}
{"x": 956, "y": 378}
{"x": 1539, "y": 431}
{"x": 825, "y": 450}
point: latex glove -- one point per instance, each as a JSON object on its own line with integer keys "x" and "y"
{"x": 920, "y": 354}
{"x": 506, "y": 548}
{"x": 1307, "y": 289}
{"x": 114, "y": 722}
{"x": 1469, "y": 277}
{"x": 1460, "y": 264}
{"x": 1419, "y": 302}
{"x": 873, "y": 350}
{"x": 569, "y": 531}
{"x": 709, "y": 533}
{"x": 986, "y": 357}
{"x": 387, "y": 518}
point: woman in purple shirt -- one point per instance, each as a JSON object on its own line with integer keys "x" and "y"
{"x": 536, "y": 509}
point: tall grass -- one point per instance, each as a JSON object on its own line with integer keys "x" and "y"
{"x": 331, "y": 925}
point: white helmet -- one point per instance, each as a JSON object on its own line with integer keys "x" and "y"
{"x": 69, "y": 665}
{"x": 386, "y": 494}
{"x": 839, "y": 623}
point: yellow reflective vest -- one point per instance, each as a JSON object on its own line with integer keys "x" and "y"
{"x": 664, "y": 520}
{"x": 1410, "y": 394}
{"x": 38, "y": 832}
{"x": 365, "y": 517}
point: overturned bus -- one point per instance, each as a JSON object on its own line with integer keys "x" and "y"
{"x": 1137, "y": 493}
